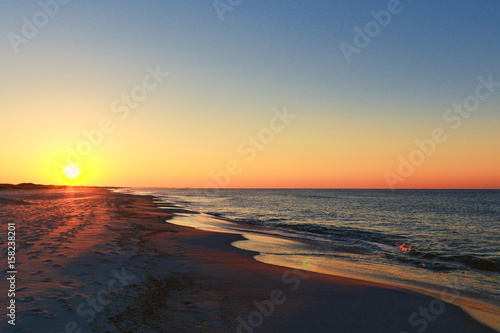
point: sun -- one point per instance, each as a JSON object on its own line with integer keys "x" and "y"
{"x": 71, "y": 171}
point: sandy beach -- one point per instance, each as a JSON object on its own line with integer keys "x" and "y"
{"x": 89, "y": 260}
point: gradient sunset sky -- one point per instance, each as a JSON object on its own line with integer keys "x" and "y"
{"x": 353, "y": 122}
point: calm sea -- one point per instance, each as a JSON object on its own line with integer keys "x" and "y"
{"x": 433, "y": 239}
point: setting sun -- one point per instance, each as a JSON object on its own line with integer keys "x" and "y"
{"x": 71, "y": 171}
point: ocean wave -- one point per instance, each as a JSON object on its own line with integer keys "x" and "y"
{"x": 404, "y": 252}
{"x": 477, "y": 263}
{"x": 471, "y": 261}
{"x": 343, "y": 233}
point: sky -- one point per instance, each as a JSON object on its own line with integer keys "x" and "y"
{"x": 238, "y": 93}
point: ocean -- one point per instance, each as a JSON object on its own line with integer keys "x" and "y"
{"x": 439, "y": 240}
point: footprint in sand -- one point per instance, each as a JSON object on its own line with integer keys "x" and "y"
{"x": 60, "y": 299}
{"x": 105, "y": 260}
{"x": 27, "y": 299}
{"x": 40, "y": 312}
{"x": 35, "y": 312}
{"x": 69, "y": 307}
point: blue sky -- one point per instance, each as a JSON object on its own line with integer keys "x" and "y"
{"x": 262, "y": 55}
{"x": 430, "y": 49}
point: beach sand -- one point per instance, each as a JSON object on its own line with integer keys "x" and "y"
{"x": 96, "y": 261}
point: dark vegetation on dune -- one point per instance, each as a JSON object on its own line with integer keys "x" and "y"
{"x": 31, "y": 186}
{"x": 28, "y": 186}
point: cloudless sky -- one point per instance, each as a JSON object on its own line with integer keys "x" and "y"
{"x": 354, "y": 121}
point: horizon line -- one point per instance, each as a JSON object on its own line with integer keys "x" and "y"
{"x": 258, "y": 188}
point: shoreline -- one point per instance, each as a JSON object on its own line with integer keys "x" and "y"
{"x": 77, "y": 242}
{"x": 484, "y": 310}
{"x": 470, "y": 306}
{"x": 251, "y": 234}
